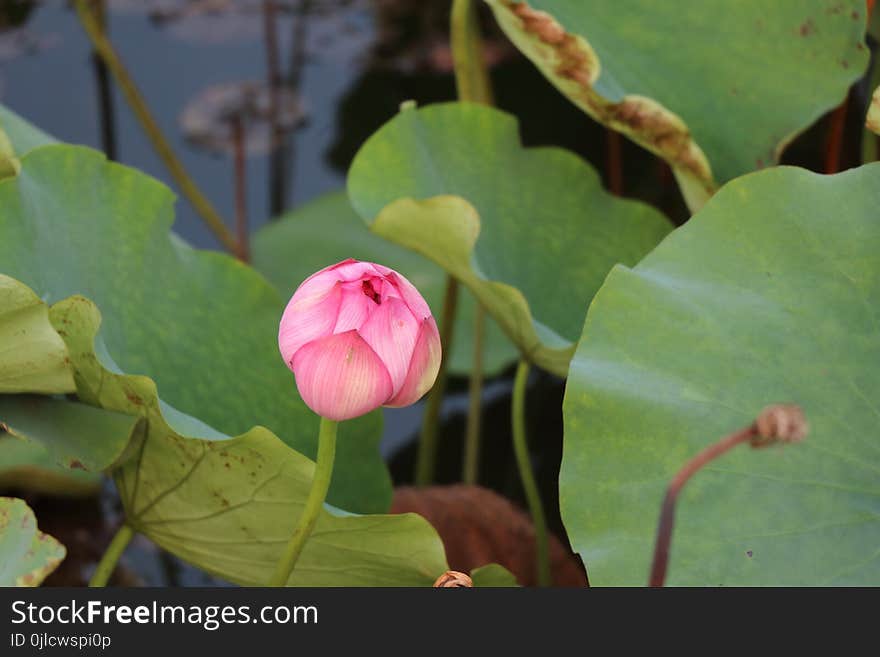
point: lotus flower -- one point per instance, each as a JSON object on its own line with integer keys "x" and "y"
{"x": 357, "y": 336}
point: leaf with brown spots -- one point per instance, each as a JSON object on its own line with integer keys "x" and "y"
{"x": 710, "y": 86}
{"x": 229, "y": 504}
{"x": 27, "y": 466}
{"x": 27, "y": 555}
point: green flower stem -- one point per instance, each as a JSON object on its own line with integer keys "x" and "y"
{"x": 427, "y": 452}
{"x": 471, "y": 466}
{"x": 111, "y": 556}
{"x": 187, "y": 186}
{"x": 523, "y": 462}
{"x": 471, "y": 77}
{"x": 473, "y": 85}
{"x": 314, "y": 503}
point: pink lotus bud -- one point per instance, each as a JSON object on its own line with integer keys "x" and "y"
{"x": 358, "y": 336}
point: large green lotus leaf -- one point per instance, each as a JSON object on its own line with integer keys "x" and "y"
{"x": 714, "y": 87}
{"x": 327, "y": 230}
{"x": 770, "y": 294}
{"x": 229, "y": 505}
{"x": 531, "y": 232}
{"x": 33, "y": 357}
{"x": 872, "y": 123}
{"x": 27, "y": 555}
{"x": 29, "y": 466}
{"x": 200, "y": 324}
{"x": 77, "y": 435}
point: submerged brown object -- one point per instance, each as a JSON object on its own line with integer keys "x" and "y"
{"x": 480, "y": 527}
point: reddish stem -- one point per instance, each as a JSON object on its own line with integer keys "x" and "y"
{"x": 667, "y": 515}
{"x": 780, "y": 423}
{"x": 241, "y": 223}
{"x": 834, "y": 143}
{"x": 614, "y": 162}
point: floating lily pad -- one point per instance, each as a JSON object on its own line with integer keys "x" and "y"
{"x": 223, "y": 23}
{"x": 327, "y": 230}
{"x": 208, "y": 119}
{"x": 770, "y": 294}
{"x": 27, "y": 555}
{"x": 200, "y": 324}
{"x": 531, "y": 232}
{"x": 683, "y": 79}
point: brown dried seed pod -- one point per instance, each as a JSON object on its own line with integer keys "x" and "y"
{"x": 780, "y": 423}
{"x": 452, "y": 579}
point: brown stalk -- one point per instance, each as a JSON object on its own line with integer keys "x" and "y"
{"x": 834, "y": 143}
{"x": 782, "y": 423}
{"x": 241, "y": 223}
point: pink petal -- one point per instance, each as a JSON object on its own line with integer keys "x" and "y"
{"x": 340, "y": 377}
{"x": 354, "y": 308}
{"x": 382, "y": 269}
{"x": 410, "y": 294}
{"x": 391, "y": 331}
{"x": 319, "y": 282}
{"x": 423, "y": 367}
{"x": 310, "y": 314}
{"x": 355, "y": 270}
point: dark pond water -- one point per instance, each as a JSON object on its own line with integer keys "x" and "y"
{"x": 46, "y": 75}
